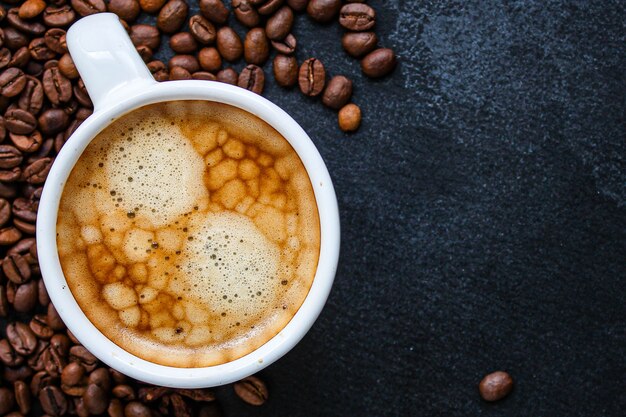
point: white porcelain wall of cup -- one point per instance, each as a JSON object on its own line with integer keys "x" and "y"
{"x": 118, "y": 82}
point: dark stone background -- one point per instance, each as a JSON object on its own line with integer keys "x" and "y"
{"x": 483, "y": 216}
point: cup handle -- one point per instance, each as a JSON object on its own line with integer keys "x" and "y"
{"x": 106, "y": 59}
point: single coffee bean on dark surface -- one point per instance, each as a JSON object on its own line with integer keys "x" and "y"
{"x": 312, "y": 77}
{"x": 495, "y": 386}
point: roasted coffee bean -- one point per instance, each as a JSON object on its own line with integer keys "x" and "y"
{"x": 312, "y": 77}
{"x": 101, "y": 378}
{"x": 67, "y": 67}
{"x": 40, "y": 379}
{"x": 285, "y": 70}
{"x": 189, "y": 62}
{"x": 349, "y": 117}
{"x": 145, "y": 35}
{"x": 145, "y": 53}
{"x": 256, "y": 47}
{"x": 87, "y": 7}
{"x": 210, "y": 59}
{"x": 183, "y": 43}
{"x": 155, "y": 66}
{"x": 52, "y": 401}
{"x": 20, "y": 373}
{"x": 5, "y": 190}
{"x": 36, "y": 359}
{"x": 252, "y": 390}
{"x": 124, "y": 392}
{"x": 9, "y": 235}
{"x": 246, "y": 13}
{"x": 37, "y": 172}
{"x": 287, "y": 46}
{"x": 56, "y": 86}
{"x": 12, "y": 82}
{"x": 125, "y": 9}
{"x": 202, "y": 30}
{"x": 136, "y": 409}
{"x": 81, "y": 355}
{"x": 27, "y": 143}
{"x": 58, "y": 17}
{"x": 15, "y": 268}
{"x": 115, "y": 408}
{"x": 25, "y": 209}
{"x": 39, "y": 50}
{"x": 179, "y": 73}
{"x": 8, "y": 355}
{"x": 270, "y": 6}
{"x": 74, "y": 379}
{"x": 19, "y": 121}
{"x": 55, "y": 39}
{"x": 357, "y": 17}
{"x": 378, "y": 63}
{"x": 323, "y": 11}
{"x": 42, "y": 294}
{"x": 34, "y": 68}
{"x": 31, "y": 8}
{"x": 5, "y": 57}
{"x": 31, "y": 98}
{"x": 162, "y": 75}
{"x": 22, "y": 396}
{"x": 228, "y": 76}
{"x": 21, "y": 338}
{"x": 26, "y": 295}
{"x": 11, "y": 175}
{"x": 96, "y": 399}
{"x": 39, "y": 325}
{"x": 298, "y": 5}
{"x": 338, "y": 92}
{"x": 5, "y": 214}
{"x": 228, "y": 44}
{"x": 214, "y": 10}
{"x": 53, "y": 121}
{"x": 172, "y": 16}
{"x": 14, "y": 39}
{"x": 9, "y": 157}
{"x": 118, "y": 377}
{"x": 54, "y": 320}
{"x": 252, "y": 78}
{"x": 495, "y": 386}
{"x": 61, "y": 343}
{"x": 20, "y": 58}
{"x": 203, "y": 75}
{"x": 151, "y": 6}
{"x": 25, "y": 26}
{"x": 7, "y": 400}
{"x": 279, "y": 25}
{"x": 359, "y": 44}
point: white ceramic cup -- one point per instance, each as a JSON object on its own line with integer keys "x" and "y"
{"x": 118, "y": 82}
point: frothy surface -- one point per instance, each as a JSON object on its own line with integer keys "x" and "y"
{"x": 188, "y": 233}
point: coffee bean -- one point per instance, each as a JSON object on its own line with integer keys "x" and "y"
{"x": 183, "y": 43}
{"x": 22, "y": 396}
{"x": 52, "y": 401}
{"x": 9, "y": 235}
{"x": 228, "y": 44}
{"x": 349, "y": 117}
{"x": 55, "y": 40}
{"x": 67, "y": 67}
{"x": 298, "y": 5}
{"x": 188, "y": 62}
{"x": 12, "y": 82}
{"x": 73, "y": 379}
{"x": 81, "y": 355}
{"x": 37, "y": 172}
{"x": 28, "y": 27}
{"x": 28, "y": 143}
{"x": 172, "y": 16}
{"x": 39, "y": 326}
{"x": 124, "y": 392}
{"x": 323, "y": 11}
{"x": 378, "y": 63}
{"x": 252, "y": 78}
{"x": 9, "y": 157}
{"x": 145, "y": 35}
{"x": 125, "y": 9}
{"x": 31, "y": 98}
{"x": 5, "y": 190}
{"x": 312, "y": 77}
{"x": 495, "y": 386}
{"x": 88, "y": 7}
{"x": 357, "y": 17}
{"x": 96, "y": 399}
{"x": 34, "y": 68}
{"x": 202, "y": 30}
{"x": 210, "y": 59}
{"x": 214, "y": 10}
{"x": 20, "y": 58}
{"x": 179, "y": 73}
{"x": 256, "y": 47}
{"x": 136, "y": 409}
{"x": 25, "y": 209}
{"x": 5, "y": 213}
{"x": 251, "y": 390}
{"x": 19, "y": 121}
{"x": 54, "y": 320}
{"x": 269, "y": 6}
{"x": 8, "y": 355}
{"x": 162, "y": 75}
{"x": 58, "y": 17}
{"x": 52, "y": 121}
{"x": 31, "y": 8}
{"x": 101, "y": 378}
{"x": 245, "y": 13}
{"x": 228, "y": 76}
{"x": 285, "y": 70}
{"x": 7, "y": 400}
{"x": 56, "y": 86}
{"x": 15, "y": 268}
{"x": 279, "y": 25}
{"x": 155, "y": 66}
{"x": 39, "y": 50}
{"x": 22, "y": 339}
{"x": 5, "y": 57}
{"x": 358, "y": 44}
{"x": 26, "y": 296}
{"x": 115, "y": 408}
{"x": 151, "y": 6}
{"x": 14, "y": 39}
{"x": 287, "y": 46}
{"x": 11, "y": 175}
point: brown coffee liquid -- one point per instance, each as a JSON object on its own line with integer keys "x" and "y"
{"x": 188, "y": 233}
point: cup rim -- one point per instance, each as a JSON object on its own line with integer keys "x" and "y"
{"x": 86, "y": 332}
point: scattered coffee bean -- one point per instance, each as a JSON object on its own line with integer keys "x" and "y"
{"x": 9, "y": 236}
{"x": 136, "y": 409}
{"x": 26, "y": 294}
{"x": 202, "y": 30}
{"x": 88, "y": 7}
{"x": 39, "y": 50}
{"x": 252, "y": 78}
{"x": 67, "y": 67}
{"x": 495, "y": 386}
{"x": 279, "y": 25}
{"x": 22, "y": 396}
{"x": 228, "y": 76}
{"x": 228, "y": 44}
{"x": 286, "y": 46}
{"x": 31, "y": 8}
{"x": 338, "y": 92}
{"x": 357, "y": 17}
{"x": 378, "y": 63}
{"x": 58, "y": 16}
{"x": 145, "y": 35}
{"x": 188, "y": 62}
{"x": 31, "y": 97}
{"x": 256, "y": 47}
{"x": 125, "y": 9}
{"x": 14, "y": 39}
{"x": 12, "y": 82}
{"x": 312, "y": 77}
{"x": 151, "y": 6}
{"x": 55, "y": 40}
{"x": 349, "y": 117}
{"x": 56, "y": 86}
{"x": 323, "y": 11}
{"x": 359, "y": 44}
{"x": 28, "y": 27}
{"x": 183, "y": 43}
{"x": 298, "y": 5}
{"x": 19, "y": 121}
{"x": 285, "y": 69}
{"x": 252, "y": 390}
{"x": 210, "y": 59}
{"x": 21, "y": 337}
{"x": 214, "y": 10}
{"x": 172, "y": 16}
{"x": 245, "y": 13}
{"x": 52, "y": 400}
